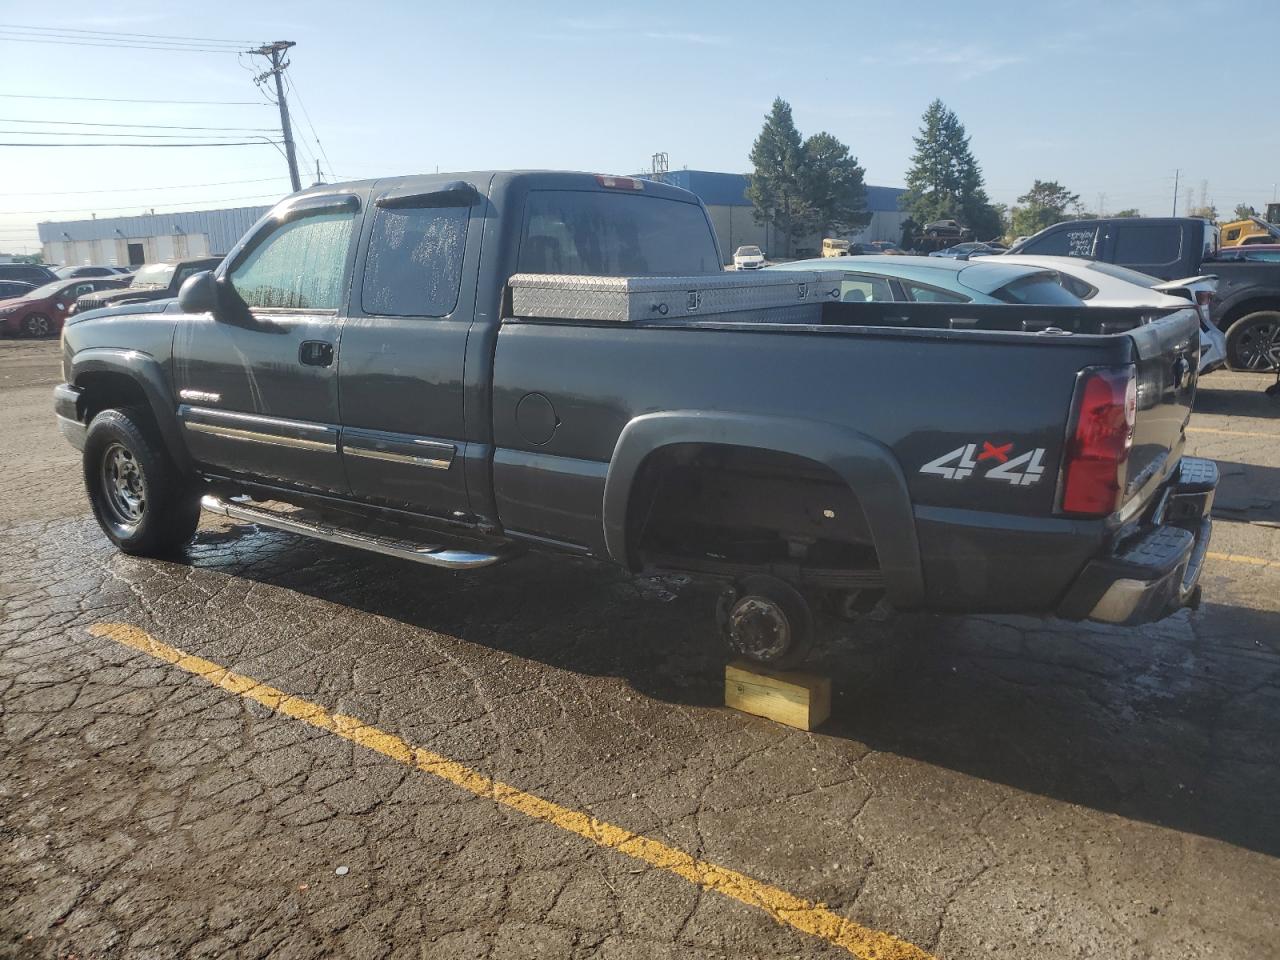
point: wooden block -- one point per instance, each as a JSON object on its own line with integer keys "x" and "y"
{"x": 801, "y": 700}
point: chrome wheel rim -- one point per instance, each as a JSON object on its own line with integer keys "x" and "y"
{"x": 1259, "y": 346}
{"x": 123, "y": 485}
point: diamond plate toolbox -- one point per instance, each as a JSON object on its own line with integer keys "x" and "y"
{"x": 632, "y": 299}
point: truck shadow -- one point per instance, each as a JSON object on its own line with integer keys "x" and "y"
{"x": 1176, "y": 724}
{"x": 1247, "y": 493}
{"x": 1249, "y": 401}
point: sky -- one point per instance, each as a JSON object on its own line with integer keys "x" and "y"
{"x": 1109, "y": 99}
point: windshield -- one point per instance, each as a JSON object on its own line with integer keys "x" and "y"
{"x": 153, "y": 274}
{"x": 748, "y": 251}
{"x": 607, "y": 234}
{"x": 1124, "y": 273}
{"x": 1038, "y": 288}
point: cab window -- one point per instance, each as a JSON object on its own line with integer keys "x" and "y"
{"x": 858, "y": 288}
{"x": 1072, "y": 241}
{"x": 920, "y": 293}
{"x": 414, "y": 266}
{"x": 300, "y": 266}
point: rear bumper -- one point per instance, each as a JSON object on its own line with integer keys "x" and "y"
{"x": 1155, "y": 571}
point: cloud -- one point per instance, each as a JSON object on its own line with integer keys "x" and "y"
{"x": 701, "y": 39}
{"x": 966, "y": 61}
{"x": 582, "y": 27}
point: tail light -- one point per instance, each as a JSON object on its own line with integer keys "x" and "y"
{"x": 1106, "y": 409}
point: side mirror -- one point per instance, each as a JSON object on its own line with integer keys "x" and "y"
{"x": 199, "y": 293}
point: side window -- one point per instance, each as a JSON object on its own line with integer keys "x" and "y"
{"x": 922, "y": 294}
{"x": 1076, "y": 286}
{"x": 857, "y": 288}
{"x": 82, "y": 288}
{"x": 414, "y": 266}
{"x": 1067, "y": 242}
{"x": 1148, "y": 244}
{"x": 1233, "y": 233}
{"x": 299, "y": 266}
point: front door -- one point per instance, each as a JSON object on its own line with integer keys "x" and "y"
{"x": 258, "y": 384}
{"x": 400, "y": 372}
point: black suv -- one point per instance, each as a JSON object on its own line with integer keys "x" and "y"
{"x": 33, "y": 273}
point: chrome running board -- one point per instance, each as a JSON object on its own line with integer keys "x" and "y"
{"x": 296, "y": 521}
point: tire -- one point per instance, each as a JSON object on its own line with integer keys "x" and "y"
{"x": 140, "y": 499}
{"x": 767, "y": 622}
{"x": 36, "y": 325}
{"x": 1251, "y": 337}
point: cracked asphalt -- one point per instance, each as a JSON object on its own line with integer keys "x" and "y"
{"x": 986, "y": 787}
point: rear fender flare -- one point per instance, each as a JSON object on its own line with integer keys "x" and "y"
{"x": 147, "y": 372}
{"x": 866, "y": 465}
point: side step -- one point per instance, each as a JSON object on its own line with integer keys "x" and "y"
{"x": 293, "y": 520}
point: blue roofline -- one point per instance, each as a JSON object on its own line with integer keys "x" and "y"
{"x": 717, "y": 189}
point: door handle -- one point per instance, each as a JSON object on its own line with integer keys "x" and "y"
{"x": 315, "y": 353}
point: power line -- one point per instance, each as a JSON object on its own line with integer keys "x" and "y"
{"x": 307, "y": 116}
{"x": 146, "y": 205}
{"x": 243, "y": 143}
{"x": 147, "y": 126}
{"x": 211, "y": 103}
{"x": 117, "y": 33}
{"x": 124, "y": 133}
{"x": 179, "y": 186}
{"x": 117, "y": 46}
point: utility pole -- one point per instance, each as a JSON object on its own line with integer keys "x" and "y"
{"x": 275, "y": 53}
{"x": 1176, "y": 173}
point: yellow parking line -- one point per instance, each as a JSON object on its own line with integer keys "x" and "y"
{"x": 783, "y": 907}
{"x": 1242, "y": 558}
{"x": 1235, "y": 433}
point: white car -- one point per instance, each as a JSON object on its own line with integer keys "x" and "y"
{"x": 1107, "y": 285}
{"x": 748, "y": 258}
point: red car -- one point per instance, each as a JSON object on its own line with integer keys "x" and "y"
{"x": 40, "y": 312}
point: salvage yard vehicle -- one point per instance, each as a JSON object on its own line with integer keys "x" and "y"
{"x": 40, "y": 312}
{"x": 909, "y": 279}
{"x": 450, "y": 368}
{"x": 1105, "y": 284}
{"x": 748, "y": 258}
{"x": 154, "y": 281}
{"x": 1246, "y": 305}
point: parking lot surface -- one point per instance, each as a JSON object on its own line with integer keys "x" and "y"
{"x": 404, "y": 762}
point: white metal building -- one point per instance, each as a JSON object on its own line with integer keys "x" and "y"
{"x": 131, "y": 241}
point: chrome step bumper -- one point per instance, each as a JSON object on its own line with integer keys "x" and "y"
{"x": 294, "y": 521}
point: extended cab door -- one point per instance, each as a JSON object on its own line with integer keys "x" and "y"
{"x": 257, "y": 384}
{"x": 401, "y": 367}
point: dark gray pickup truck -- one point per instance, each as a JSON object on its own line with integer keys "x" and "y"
{"x": 366, "y": 367}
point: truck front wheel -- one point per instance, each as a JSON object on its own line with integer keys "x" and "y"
{"x": 141, "y": 501}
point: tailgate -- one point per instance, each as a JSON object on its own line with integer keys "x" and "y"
{"x": 1168, "y": 354}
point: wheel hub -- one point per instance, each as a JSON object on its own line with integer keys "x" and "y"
{"x": 759, "y": 629}
{"x": 124, "y": 485}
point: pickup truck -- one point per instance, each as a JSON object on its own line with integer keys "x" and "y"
{"x": 1246, "y": 306}
{"x": 357, "y": 370}
{"x": 154, "y": 281}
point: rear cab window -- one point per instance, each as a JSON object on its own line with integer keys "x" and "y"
{"x": 1037, "y": 288}
{"x": 611, "y": 234}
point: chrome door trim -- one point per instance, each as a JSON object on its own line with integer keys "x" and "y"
{"x": 258, "y": 429}
{"x": 398, "y": 448}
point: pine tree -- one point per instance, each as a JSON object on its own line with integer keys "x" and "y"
{"x": 773, "y": 187}
{"x": 831, "y": 185}
{"x": 945, "y": 181}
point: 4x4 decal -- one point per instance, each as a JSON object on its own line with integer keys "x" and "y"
{"x": 962, "y": 462}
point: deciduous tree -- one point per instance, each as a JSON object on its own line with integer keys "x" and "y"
{"x": 1045, "y": 204}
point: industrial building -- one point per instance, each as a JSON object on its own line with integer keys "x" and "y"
{"x": 132, "y": 241}
{"x": 725, "y": 195}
